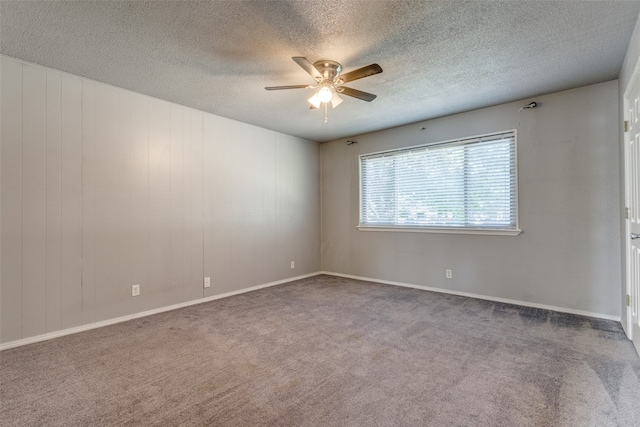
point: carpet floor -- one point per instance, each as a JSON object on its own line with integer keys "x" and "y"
{"x": 330, "y": 351}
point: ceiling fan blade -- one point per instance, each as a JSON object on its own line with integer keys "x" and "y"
{"x": 367, "y": 71}
{"x": 307, "y": 66}
{"x": 365, "y": 96}
{"x": 287, "y": 87}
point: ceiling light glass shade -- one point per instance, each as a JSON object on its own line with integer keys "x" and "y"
{"x": 335, "y": 100}
{"x": 314, "y": 100}
{"x": 319, "y": 97}
{"x": 325, "y": 94}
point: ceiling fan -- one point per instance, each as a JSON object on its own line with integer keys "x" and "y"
{"x": 329, "y": 81}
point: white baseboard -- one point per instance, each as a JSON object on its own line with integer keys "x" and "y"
{"x": 484, "y": 297}
{"x": 87, "y": 327}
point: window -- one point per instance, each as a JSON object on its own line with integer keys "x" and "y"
{"x": 467, "y": 185}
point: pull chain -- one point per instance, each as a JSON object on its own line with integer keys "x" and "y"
{"x": 326, "y": 119}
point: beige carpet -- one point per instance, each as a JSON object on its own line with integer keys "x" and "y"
{"x": 328, "y": 351}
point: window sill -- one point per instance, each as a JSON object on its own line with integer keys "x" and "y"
{"x": 443, "y": 230}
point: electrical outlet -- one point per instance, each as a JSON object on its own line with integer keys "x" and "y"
{"x": 207, "y": 282}
{"x": 293, "y": 265}
{"x": 448, "y": 274}
{"x": 135, "y": 290}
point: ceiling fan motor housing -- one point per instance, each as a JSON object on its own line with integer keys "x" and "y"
{"x": 329, "y": 69}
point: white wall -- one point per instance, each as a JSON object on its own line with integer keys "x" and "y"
{"x": 102, "y": 188}
{"x": 569, "y": 253}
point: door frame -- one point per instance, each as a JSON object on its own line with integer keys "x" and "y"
{"x": 627, "y": 320}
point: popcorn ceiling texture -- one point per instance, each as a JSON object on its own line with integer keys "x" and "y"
{"x": 439, "y": 58}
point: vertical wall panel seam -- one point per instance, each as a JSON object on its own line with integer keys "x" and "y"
{"x": 202, "y": 136}
{"x": 188, "y": 159}
{"x": 82, "y": 307}
{"x": 123, "y": 205}
{"x": 1, "y": 251}
{"x": 130, "y": 207}
{"x": 94, "y": 183}
{"x": 171, "y": 234}
{"x": 46, "y": 201}
{"x": 21, "y": 204}
{"x": 184, "y": 171}
{"x": 321, "y": 191}
{"x": 60, "y": 206}
{"x": 190, "y": 215}
{"x": 120, "y": 187}
{"x": 148, "y": 197}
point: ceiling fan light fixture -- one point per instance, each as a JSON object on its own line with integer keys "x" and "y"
{"x": 329, "y": 82}
{"x": 325, "y": 94}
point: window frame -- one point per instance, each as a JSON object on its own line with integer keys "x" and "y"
{"x": 497, "y": 231}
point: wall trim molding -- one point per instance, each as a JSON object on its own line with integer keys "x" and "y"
{"x": 95, "y": 325}
{"x": 478, "y": 296}
{"x": 102, "y": 323}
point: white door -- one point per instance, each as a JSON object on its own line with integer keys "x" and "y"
{"x": 632, "y": 185}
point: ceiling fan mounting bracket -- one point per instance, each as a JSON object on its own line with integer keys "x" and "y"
{"x": 329, "y": 69}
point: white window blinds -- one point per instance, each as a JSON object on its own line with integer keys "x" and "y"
{"x": 467, "y": 183}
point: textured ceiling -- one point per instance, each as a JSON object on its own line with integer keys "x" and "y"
{"x": 439, "y": 57}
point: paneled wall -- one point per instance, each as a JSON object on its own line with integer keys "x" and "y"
{"x": 102, "y": 188}
{"x": 568, "y": 255}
